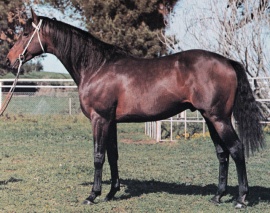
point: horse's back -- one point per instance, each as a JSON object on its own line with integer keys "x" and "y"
{"x": 159, "y": 88}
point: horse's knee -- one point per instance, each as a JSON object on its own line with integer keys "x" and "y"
{"x": 99, "y": 160}
{"x": 237, "y": 151}
{"x": 223, "y": 157}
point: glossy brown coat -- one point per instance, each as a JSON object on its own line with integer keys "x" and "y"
{"x": 115, "y": 86}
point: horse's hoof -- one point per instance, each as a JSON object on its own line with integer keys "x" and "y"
{"x": 240, "y": 205}
{"x": 106, "y": 199}
{"x": 88, "y": 202}
{"x": 111, "y": 194}
{"x": 215, "y": 200}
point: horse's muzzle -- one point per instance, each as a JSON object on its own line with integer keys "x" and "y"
{"x": 12, "y": 67}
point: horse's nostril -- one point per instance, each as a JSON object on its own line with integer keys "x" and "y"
{"x": 8, "y": 62}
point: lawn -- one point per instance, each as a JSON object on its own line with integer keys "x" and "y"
{"x": 46, "y": 165}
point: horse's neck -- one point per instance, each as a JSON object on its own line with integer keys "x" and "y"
{"x": 66, "y": 61}
{"x": 74, "y": 61}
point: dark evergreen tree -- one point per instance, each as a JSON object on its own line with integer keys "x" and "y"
{"x": 133, "y": 25}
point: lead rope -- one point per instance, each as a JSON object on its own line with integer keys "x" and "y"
{"x": 21, "y": 59}
{"x": 12, "y": 88}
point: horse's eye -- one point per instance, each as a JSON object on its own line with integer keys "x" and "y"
{"x": 25, "y": 33}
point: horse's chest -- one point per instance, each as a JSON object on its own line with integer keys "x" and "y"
{"x": 98, "y": 98}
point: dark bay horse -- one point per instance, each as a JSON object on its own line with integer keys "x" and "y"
{"x": 115, "y": 86}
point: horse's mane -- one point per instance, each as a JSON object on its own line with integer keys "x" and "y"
{"x": 83, "y": 48}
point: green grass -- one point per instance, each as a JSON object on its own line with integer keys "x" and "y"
{"x": 47, "y": 166}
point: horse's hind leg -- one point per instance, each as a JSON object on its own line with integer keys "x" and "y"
{"x": 223, "y": 157}
{"x": 112, "y": 152}
{"x": 231, "y": 142}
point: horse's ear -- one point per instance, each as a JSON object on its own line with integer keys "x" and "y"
{"x": 34, "y": 16}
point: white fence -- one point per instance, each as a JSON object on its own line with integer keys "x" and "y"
{"x": 51, "y": 96}
{"x": 60, "y": 96}
{"x": 154, "y": 129}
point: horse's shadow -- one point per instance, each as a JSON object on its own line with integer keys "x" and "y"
{"x": 10, "y": 180}
{"x": 135, "y": 188}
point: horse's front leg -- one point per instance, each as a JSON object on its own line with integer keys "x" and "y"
{"x": 112, "y": 152}
{"x": 100, "y": 128}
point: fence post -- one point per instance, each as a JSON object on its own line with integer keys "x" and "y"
{"x": 69, "y": 104}
{"x": 203, "y": 128}
{"x": 158, "y": 132}
{"x": 1, "y": 94}
{"x": 185, "y": 124}
{"x": 171, "y": 129}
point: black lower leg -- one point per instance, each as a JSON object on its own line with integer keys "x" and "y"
{"x": 223, "y": 158}
{"x": 112, "y": 152}
{"x": 115, "y": 187}
{"x": 96, "y": 189}
{"x": 238, "y": 156}
{"x": 236, "y": 150}
{"x": 223, "y": 176}
{"x": 100, "y": 133}
{"x": 115, "y": 182}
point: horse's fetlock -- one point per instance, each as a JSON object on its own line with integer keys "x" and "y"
{"x": 116, "y": 184}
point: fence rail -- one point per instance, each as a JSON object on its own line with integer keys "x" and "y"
{"x": 154, "y": 129}
{"x": 184, "y": 121}
{"x": 47, "y": 99}
{"x": 60, "y": 96}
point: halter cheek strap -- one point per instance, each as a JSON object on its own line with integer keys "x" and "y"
{"x": 37, "y": 28}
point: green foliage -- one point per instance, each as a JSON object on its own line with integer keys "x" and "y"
{"x": 12, "y": 16}
{"x": 30, "y": 67}
{"x": 194, "y": 130}
{"x": 132, "y": 25}
{"x": 47, "y": 166}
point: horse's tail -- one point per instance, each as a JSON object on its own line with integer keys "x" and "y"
{"x": 247, "y": 112}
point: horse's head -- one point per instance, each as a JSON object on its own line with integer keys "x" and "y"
{"x": 30, "y": 43}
